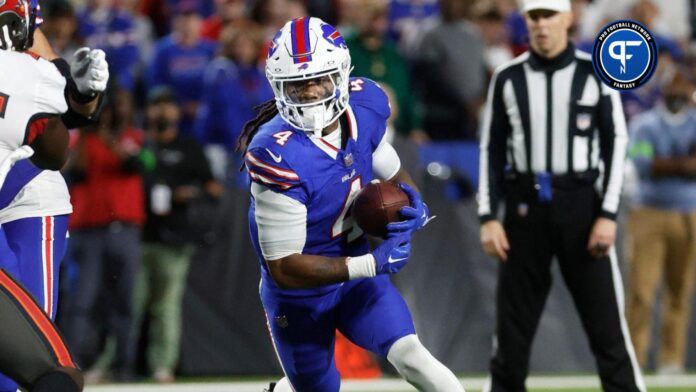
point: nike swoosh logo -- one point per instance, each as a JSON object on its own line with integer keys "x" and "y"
{"x": 396, "y": 260}
{"x": 276, "y": 158}
{"x": 430, "y": 219}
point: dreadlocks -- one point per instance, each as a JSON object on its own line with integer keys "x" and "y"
{"x": 265, "y": 112}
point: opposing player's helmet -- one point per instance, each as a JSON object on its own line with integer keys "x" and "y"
{"x": 17, "y": 22}
{"x": 305, "y": 50}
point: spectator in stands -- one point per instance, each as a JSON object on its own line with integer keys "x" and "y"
{"x": 178, "y": 176}
{"x": 143, "y": 33}
{"x": 409, "y": 20}
{"x": 452, "y": 74}
{"x": 325, "y": 10}
{"x": 60, "y": 27}
{"x": 108, "y": 212}
{"x": 670, "y": 17}
{"x": 159, "y": 13}
{"x": 664, "y": 222}
{"x": 233, "y": 85}
{"x": 377, "y": 58}
{"x": 272, "y": 14}
{"x": 518, "y": 36}
{"x": 180, "y": 59}
{"x": 106, "y": 27}
{"x": 647, "y": 97}
{"x": 227, "y": 13}
{"x": 492, "y": 26}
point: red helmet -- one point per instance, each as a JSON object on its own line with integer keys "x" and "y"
{"x": 17, "y": 23}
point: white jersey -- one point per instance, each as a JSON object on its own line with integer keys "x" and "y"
{"x": 31, "y": 88}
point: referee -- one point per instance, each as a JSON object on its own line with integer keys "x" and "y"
{"x": 552, "y": 136}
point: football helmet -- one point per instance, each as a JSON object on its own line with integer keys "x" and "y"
{"x": 17, "y": 23}
{"x": 309, "y": 51}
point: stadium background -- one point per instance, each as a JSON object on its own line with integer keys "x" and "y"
{"x": 450, "y": 282}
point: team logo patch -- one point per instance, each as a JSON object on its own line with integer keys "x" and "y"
{"x": 348, "y": 160}
{"x": 624, "y": 55}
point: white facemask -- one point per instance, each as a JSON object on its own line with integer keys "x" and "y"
{"x": 316, "y": 117}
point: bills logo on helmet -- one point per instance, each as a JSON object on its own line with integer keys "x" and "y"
{"x": 274, "y": 43}
{"x": 333, "y": 36}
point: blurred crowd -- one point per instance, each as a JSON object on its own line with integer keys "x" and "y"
{"x": 186, "y": 75}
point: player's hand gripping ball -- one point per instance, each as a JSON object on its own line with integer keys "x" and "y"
{"x": 416, "y": 215}
{"x": 377, "y": 205}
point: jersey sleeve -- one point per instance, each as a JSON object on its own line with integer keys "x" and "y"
{"x": 273, "y": 171}
{"x": 385, "y": 161}
{"x": 50, "y": 90}
{"x": 281, "y": 222}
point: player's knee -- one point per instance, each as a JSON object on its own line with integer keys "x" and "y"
{"x": 415, "y": 363}
{"x": 59, "y": 380}
{"x": 407, "y": 355}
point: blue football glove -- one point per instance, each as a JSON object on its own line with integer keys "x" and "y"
{"x": 392, "y": 254}
{"x": 417, "y": 215}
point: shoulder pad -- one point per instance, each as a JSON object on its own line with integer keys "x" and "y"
{"x": 368, "y": 94}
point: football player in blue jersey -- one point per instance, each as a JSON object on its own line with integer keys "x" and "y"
{"x": 308, "y": 152}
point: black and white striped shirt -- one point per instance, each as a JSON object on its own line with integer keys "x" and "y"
{"x": 551, "y": 116}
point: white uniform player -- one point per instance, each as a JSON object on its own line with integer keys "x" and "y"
{"x": 34, "y": 199}
{"x": 28, "y": 97}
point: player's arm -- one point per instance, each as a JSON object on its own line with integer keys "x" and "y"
{"x": 83, "y": 105}
{"x": 282, "y": 229}
{"x": 299, "y": 271}
{"x": 51, "y": 144}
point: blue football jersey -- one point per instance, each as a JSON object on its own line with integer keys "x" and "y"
{"x": 321, "y": 177}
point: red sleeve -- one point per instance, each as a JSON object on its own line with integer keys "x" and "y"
{"x": 35, "y": 129}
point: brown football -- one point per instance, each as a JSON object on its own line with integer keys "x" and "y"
{"x": 376, "y": 205}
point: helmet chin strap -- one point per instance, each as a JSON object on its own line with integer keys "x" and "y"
{"x": 316, "y": 116}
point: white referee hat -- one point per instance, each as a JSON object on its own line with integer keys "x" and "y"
{"x": 553, "y": 5}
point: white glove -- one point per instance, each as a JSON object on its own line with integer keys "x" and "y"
{"x": 90, "y": 71}
{"x": 23, "y": 152}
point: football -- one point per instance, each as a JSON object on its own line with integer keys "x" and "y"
{"x": 377, "y": 205}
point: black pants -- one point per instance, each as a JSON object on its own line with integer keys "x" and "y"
{"x": 109, "y": 259}
{"x": 536, "y": 233}
{"x": 31, "y": 347}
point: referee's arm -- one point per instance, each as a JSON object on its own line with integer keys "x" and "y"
{"x": 494, "y": 134}
{"x": 495, "y": 129}
{"x": 613, "y": 142}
